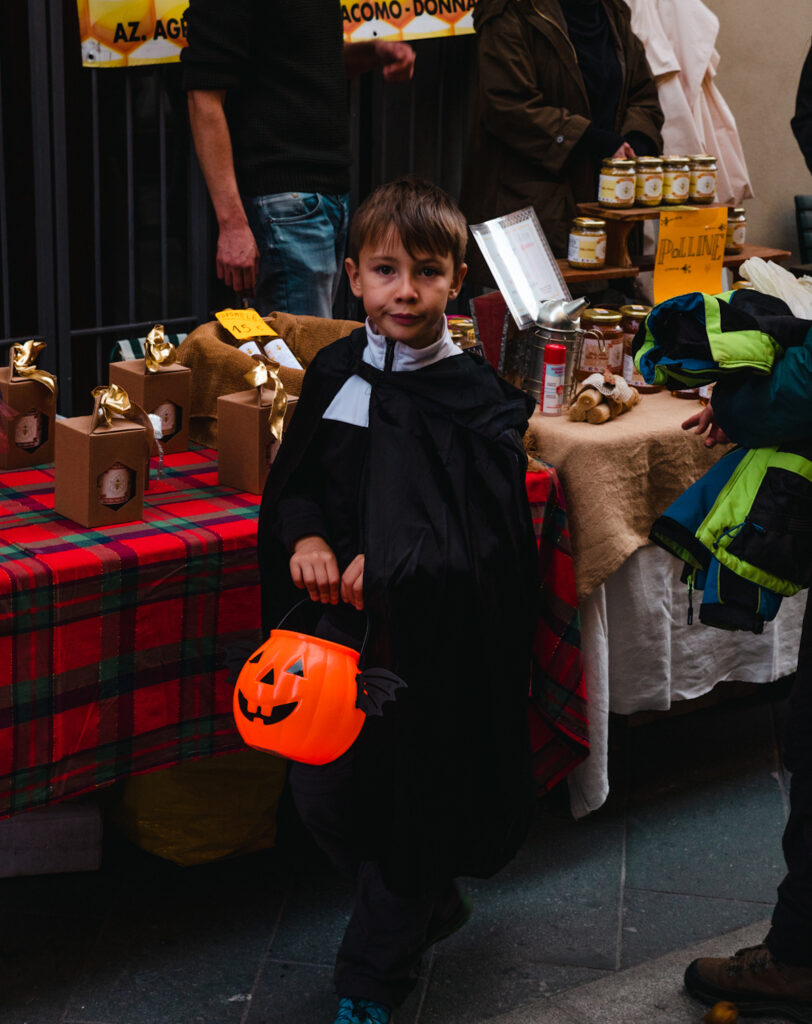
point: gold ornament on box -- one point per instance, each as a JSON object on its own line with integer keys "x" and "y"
{"x": 112, "y": 400}
{"x": 263, "y": 374}
{"x": 24, "y": 357}
{"x": 158, "y": 351}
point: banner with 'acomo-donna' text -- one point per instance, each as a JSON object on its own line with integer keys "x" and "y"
{"x": 406, "y": 19}
{"x": 121, "y": 33}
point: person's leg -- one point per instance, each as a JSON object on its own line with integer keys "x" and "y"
{"x": 790, "y": 937}
{"x": 775, "y": 978}
{"x": 387, "y": 934}
{"x": 338, "y": 209}
{"x": 379, "y": 957}
{"x": 297, "y": 234}
{"x": 322, "y": 795}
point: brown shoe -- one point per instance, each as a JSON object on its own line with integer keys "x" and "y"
{"x": 757, "y": 984}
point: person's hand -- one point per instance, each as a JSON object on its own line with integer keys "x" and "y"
{"x": 238, "y": 259}
{"x": 396, "y": 60}
{"x": 625, "y": 152}
{"x": 702, "y": 421}
{"x": 313, "y": 567}
{"x": 352, "y": 583}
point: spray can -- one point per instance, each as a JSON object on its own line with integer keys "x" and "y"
{"x": 552, "y": 386}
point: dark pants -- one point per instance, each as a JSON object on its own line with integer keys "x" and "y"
{"x": 379, "y": 957}
{"x": 790, "y": 938}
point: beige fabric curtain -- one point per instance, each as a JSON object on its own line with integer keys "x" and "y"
{"x": 679, "y": 37}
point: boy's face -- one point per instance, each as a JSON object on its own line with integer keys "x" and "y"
{"x": 404, "y": 296}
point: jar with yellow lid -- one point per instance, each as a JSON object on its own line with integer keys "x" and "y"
{"x": 616, "y": 183}
{"x": 676, "y": 179}
{"x": 602, "y": 344}
{"x": 648, "y": 190}
{"x": 702, "y": 188}
{"x": 631, "y": 317}
{"x": 587, "y": 243}
{"x": 736, "y": 230}
{"x": 462, "y": 331}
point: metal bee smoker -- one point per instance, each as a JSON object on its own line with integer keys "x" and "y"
{"x": 558, "y": 320}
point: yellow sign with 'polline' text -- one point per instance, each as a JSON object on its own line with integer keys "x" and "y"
{"x": 690, "y": 251}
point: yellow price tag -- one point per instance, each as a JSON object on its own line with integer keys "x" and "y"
{"x": 690, "y": 251}
{"x": 245, "y": 324}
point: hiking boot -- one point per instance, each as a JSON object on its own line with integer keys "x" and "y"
{"x": 759, "y": 985}
{"x": 449, "y": 917}
{"x": 362, "y": 1011}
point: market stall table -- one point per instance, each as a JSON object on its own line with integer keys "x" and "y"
{"x": 639, "y": 652}
{"x": 119, "y": 647}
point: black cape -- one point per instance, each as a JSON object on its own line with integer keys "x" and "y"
{"x": 443, "y": 779}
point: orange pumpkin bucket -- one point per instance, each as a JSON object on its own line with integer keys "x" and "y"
{"x": 302, "y": 697}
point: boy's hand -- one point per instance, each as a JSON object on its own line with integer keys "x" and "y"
{"x": 704, "y": 419}
{"x": 352, "y": 583}
{"x": 313, "y": 567}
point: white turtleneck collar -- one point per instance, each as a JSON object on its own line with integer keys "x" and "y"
{"x": 351, "y": 403}
{"x": 407, "y": 358}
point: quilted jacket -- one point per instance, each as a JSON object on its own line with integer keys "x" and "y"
{"x": 744, "y": 530}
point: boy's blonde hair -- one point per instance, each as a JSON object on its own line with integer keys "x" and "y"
{"x": 422, "y": 215}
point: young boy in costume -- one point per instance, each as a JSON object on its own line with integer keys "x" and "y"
{"x": 398, "y": 494}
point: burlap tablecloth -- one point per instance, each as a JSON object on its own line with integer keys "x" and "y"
{"x": 218, "y": 367}
{"x": 619, "y": 476}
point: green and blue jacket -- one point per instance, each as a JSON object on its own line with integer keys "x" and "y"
{"x": 744, "y": 530}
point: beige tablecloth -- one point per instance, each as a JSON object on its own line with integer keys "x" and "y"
{"x": 640, "y": 654}
{"x": 619, "y": 476}
{"x": 638, "y": 651}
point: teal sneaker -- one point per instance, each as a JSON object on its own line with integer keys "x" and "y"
{"x": 346, "y": 1013}
{"x": 362, "y": 1011}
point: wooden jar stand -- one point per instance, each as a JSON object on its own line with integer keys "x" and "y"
{"x": 619, "y": 224}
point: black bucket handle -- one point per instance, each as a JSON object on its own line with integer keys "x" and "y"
{"x": 322, "y": 607}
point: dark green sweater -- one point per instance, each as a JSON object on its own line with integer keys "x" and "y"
{"x": 283, "y": 68}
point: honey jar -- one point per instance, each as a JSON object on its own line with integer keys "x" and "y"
{"x": 702, "y": 187}
{"x": 631, "y": 317}
{"x": 736, "y": 230}
{"x": 648, "y": 173}
{"x": 587, "y": 243}
{"x": 676, "y": 179}
{"x": 602, "y": 344}
{"x": 617, "y": 183}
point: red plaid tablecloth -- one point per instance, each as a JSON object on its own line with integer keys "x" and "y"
{"x": 119, "y": 646}
{"x": 559, "y": 729}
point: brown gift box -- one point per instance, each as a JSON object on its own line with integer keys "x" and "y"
{"x": 95, "y": 469}
{"x": 157, "y": 393}
{"x": 245, "y": 446}
{"x": 35, "y": 406}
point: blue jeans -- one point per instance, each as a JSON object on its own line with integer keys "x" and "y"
{"x": 301, "y": 238}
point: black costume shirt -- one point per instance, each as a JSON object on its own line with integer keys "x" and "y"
{"x": 450, "y": 588}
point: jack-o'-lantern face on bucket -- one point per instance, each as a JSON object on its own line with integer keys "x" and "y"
{"x": 296, "y": 696}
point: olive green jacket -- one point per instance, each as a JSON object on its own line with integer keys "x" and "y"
{"x": 532, "y": 109}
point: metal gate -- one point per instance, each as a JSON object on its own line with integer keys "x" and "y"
{"x": 105, "y": 224}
